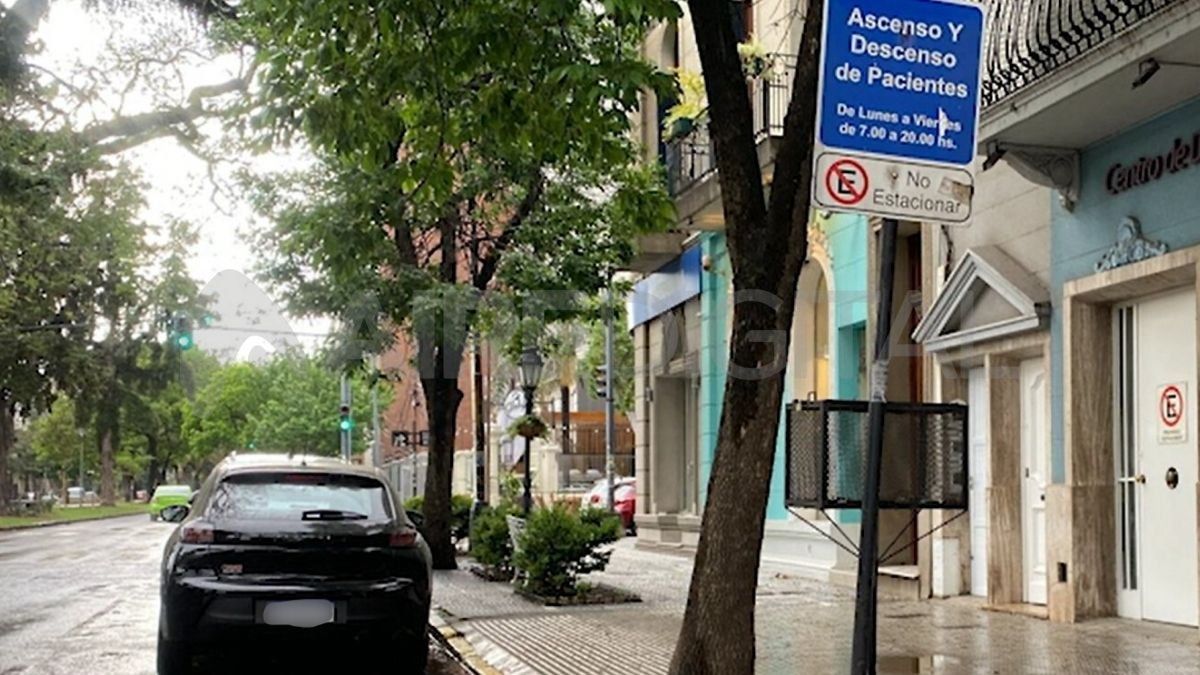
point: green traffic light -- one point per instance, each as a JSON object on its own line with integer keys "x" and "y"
{"x": 184, "y": 341}
{"x": 345, "y": 424}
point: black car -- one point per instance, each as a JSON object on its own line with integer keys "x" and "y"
{"x": 281, "y": 552}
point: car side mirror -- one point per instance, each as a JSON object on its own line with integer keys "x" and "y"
{"x": 175, "y": 513}
{"x": 417, "y": 518}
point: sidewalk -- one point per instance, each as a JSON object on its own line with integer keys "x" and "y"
{"x": 803, "y": 627}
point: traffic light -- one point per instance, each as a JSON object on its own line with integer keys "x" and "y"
{"x": 345, "y": 421}
{"x": 601, "y": 375}
{"x": 181, "y": 332}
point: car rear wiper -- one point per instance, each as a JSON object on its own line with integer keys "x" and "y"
{"x": 332, "y": 514}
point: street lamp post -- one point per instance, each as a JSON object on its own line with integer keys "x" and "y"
{"x": 412, "y": 442}
{"x": 531, "y": 374}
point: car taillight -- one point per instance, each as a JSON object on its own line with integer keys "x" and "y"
{"x": 595, "y": 499}
{"x": 196, "y": 533}
{"x": 405, "y": 538}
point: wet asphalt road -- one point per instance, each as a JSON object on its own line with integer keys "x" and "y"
{"x": 80, "y": 598}
{"x": 83, "y": 598}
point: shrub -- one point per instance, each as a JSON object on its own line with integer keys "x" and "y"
{"x": 460, "y": 513}
{"x": 558, "y": 546}
{"x": 490, "y": 543}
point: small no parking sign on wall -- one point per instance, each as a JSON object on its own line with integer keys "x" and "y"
{"x": 1172, "y": 413}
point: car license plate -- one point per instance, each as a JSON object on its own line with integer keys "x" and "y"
{"x": 299, "y": 613}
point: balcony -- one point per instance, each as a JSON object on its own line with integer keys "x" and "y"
{"x": 1061, "y": 73}
{"x": 689, "y": 159}
{"x": 1029, "y": 39}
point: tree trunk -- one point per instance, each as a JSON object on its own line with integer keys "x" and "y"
{"x": 565, "y": 393}
{"x": 108, "y": 486}
{"x": 439, "y": 367}
{"x": 7, "y": 438}
{"x": 767, "y": 243}
{"x": 153, "y": 466}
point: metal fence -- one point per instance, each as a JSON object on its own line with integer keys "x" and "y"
{"x": 924, "y": 456}
{"x": 1029, "y": 39}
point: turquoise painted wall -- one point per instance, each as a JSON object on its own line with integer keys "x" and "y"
{"x": 1168, "y": 210}
{"x": 846, "y": 237}
{"x": 714, "y": 348}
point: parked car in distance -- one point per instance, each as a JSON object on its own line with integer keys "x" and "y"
{"x": 166, "y": 495}
{"x": 282, "y": 553}
{"x": 624, "y": 499}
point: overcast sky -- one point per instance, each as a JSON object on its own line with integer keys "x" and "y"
{"x": 178, "y": 186}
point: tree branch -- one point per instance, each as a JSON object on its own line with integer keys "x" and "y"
{"x": 149, "y": 124}
{"x": 732, "y": 134}
{"x": 491, "y": 261}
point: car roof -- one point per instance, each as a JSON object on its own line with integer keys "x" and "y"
{"x": 264, "y": 461}
{"x": 173, "y": 488}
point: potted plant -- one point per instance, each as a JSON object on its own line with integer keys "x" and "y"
{"x": 756, "y": 62}
{"x": 682, "y": 117}
{"x": 528, "y": 426}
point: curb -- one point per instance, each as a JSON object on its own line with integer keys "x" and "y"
{"x": 54, "y": 523}
{"x": 459, "y": 645}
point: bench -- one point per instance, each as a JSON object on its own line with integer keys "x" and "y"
{"x": 516, "y": 527}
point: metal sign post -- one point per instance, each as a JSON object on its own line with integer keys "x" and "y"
{"x": 866, "y": 601}
{"x": 897, "y": 112}
{"x": 609, "y": 394}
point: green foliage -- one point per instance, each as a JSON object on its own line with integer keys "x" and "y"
{"x": 528, "y": 426}
{"x": 465, "y": 150}
{"x": 56, "y": 441}
{"x": 288, "y": 404}
{"x": 692, "y": 105}
{"x": 512, "y": 490}
{"x": 594, "y": 357}
{"x": 559, "y": 545}
{"x": 460, "y": 512}
{"x": 491, "y": 545}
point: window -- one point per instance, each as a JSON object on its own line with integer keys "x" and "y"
{"x": 299, "y": 496}
{"x": 742, "y": 12}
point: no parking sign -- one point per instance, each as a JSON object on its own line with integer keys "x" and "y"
{"x": 1172, "y": 413}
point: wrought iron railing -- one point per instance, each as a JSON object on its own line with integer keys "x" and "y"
{"x": 1029, "y": 39}
{"x": 689, "y": 158}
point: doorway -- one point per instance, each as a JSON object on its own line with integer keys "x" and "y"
{"x": 1156, "y": 460}
{"x": 676, "y": 436}
{"x": 979, "y": 461}
{"x": 1035, "y": 474}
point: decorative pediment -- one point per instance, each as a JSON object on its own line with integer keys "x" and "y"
{"x": 988, "y": 296}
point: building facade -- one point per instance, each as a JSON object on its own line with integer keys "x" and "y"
{"x": 1065, "y": 315}
{"x": 681, "y": 310}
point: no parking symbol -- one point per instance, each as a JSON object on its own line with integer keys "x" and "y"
{"x": 846, "y": 180}
{"x": 1172, "y": 413}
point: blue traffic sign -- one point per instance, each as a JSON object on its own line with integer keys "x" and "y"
{"x": 900, "y": 78}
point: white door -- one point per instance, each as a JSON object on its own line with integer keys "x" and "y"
{"x": 1166, "y": 358}
{"x": 1035, "y": 463}
{"x": 977, "y": 504}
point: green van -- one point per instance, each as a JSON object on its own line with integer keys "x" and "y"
{"x": 166, "y": 495}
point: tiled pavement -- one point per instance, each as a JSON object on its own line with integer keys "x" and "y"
{"x": 803, "y": 627}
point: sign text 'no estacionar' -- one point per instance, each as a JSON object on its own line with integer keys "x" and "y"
{"x": 898, "y": 108}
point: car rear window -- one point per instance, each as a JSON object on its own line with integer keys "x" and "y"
{"x": 172, "y": 491}
{"x": 299, "y": 496}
